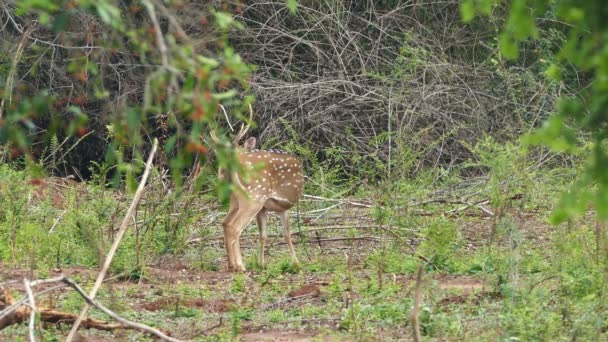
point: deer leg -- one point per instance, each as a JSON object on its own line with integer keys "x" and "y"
{"x": 229, "y": 237}
{"x": 284, "y": 216}
{"x": 245, "y": 213}
{"x": 261, "y": 221}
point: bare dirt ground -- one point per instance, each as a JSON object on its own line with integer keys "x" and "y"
{"x": 196, "y": 304}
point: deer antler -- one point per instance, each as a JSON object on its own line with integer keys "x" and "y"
{"x": 214, "y": 137}
{"x": 240, "y": 134}
{"x": 244, "y": 128}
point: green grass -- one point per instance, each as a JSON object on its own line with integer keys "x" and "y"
{"x": 531, "y": 281}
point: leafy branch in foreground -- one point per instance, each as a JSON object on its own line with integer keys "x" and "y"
{"x": 585, "y": 49}
{"x": 126, "y": 70}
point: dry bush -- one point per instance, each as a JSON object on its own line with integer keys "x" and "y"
{"x": 336, "y": 71}
{"x": 328, "y": 76}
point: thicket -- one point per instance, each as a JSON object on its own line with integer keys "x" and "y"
{"x": 346, "y": 83}
{"x": 363, "y": 91}
{"x": 347, "y": 75}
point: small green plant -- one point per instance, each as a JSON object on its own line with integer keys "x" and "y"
{"x": 393, "y": 260}
{"x": 238, "y": 283}
{"x": 186, "y": 312}
{"x": 508, "y": 168}
{"x": 275, "y": 316}
{"x": 237, "y": 316}
{"x": 442, "y": 242}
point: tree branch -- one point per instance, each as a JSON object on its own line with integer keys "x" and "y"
{"x": 121, "y": 232}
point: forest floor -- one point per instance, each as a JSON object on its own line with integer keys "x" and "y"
{"x": 349, "y": 287}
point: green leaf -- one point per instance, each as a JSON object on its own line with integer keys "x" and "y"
{"x": 110, "y": 129}
{"x": 60, "y": 22}
{"x": 225, "y": 95}
{"x": 108, "y": 13}
{"x": 223, "y": 20}
{"x": 189, "y": 84}
{"x": 292, "y": 5}
{"x": 224, "y": 190}
{"x": 574, "y": 15}
{"x": 208, "y": 61}
{"x": 555, "y": 134}
{"x": 44, "y": 18}
{"x": 574, "y": 202}
{"x": 25, "y": 6}
{"x": 132, "y": 119}
{"x": 508, "y": 46}
{"x": 485, "y": 6}
{"x": 467, "y": 10}
{"x": 170, "y": 143}
{"x": 104, "y": 13}
{"x": 131, "y": 181}
{"x": 554, "y": 73}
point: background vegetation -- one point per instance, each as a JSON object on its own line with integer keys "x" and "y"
{"x": 431, "y": 137}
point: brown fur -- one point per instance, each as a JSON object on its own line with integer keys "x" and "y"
{"x": 272, "y": 181}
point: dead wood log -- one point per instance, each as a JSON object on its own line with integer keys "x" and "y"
{"x": 22, "y": 313}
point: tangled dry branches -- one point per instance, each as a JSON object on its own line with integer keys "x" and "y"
{"x": 337, "y": 72}
{"x": 337, "y": 76}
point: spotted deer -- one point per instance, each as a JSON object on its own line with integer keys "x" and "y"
{"x": 272, "y": 181}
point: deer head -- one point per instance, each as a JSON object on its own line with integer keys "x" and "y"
{"x": 271, "y": 180}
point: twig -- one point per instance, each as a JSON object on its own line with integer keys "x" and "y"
{"x": 354, "y": 238}
{"x": 57, "y": 221}
{"x": 416, "y": 310}
{"x": 8, "y": 282}
{"x": 30, "y": 295}
{"x": 173, "y": 21}
{"x": 487, "y": 211}
{"x": 12, "y": 305}
{"x": 121, "y": 232}
{"x": 160, "y": 41}
{"x": 8, "y": 89}
{"x": 356, "y": 204}
{"x": 386, "y": 229}
{"x": 227, "y": 119}
{"x": 49, "y": 315}
{"x": 321, "y": 210}
{"x": 213, "y": 327}
{"x": 110, "y": 313}
{"x": 322, "y": 228}
{"x": 75, "y": 144}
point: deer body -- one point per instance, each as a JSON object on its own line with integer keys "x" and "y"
{"x": 273, "y": 181}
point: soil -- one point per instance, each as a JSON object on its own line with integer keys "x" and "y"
{"x": 286, "y": 336}
{"x": 149, "y": 294}
{"x": 172, "y": 303}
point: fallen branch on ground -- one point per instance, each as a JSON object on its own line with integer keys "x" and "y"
{"x": 121, "y": 231}
{"x": 341, "y": 201}
{"x": 415, "y": 311}
{"x": 15, "y": 312}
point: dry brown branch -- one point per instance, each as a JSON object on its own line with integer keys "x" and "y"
{"x": 368, "y": 80}
{"x": 478, "y": 204}
{"x": 11, "y": 313}
{"x": 60, "y": 317}
{"x": 160, "y": 40}
{"x": 416, "y": 310}
{"x": 32, "y": 304}
{"x": 8, "y": 90}
{"x": 341, "y": 201}
{"x": 17, "y": 312}
{"x": 121, "y": 231}
{"x": 381, "y": 227}
{"x": 110, "y": 313}
{"x": 336, "y": 239}
{"x": 334, "y": 71}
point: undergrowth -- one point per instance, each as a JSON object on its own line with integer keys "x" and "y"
{"x": 483, "y": 224}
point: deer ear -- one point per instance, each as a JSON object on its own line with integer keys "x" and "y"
{"x": 249, "y": 143}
